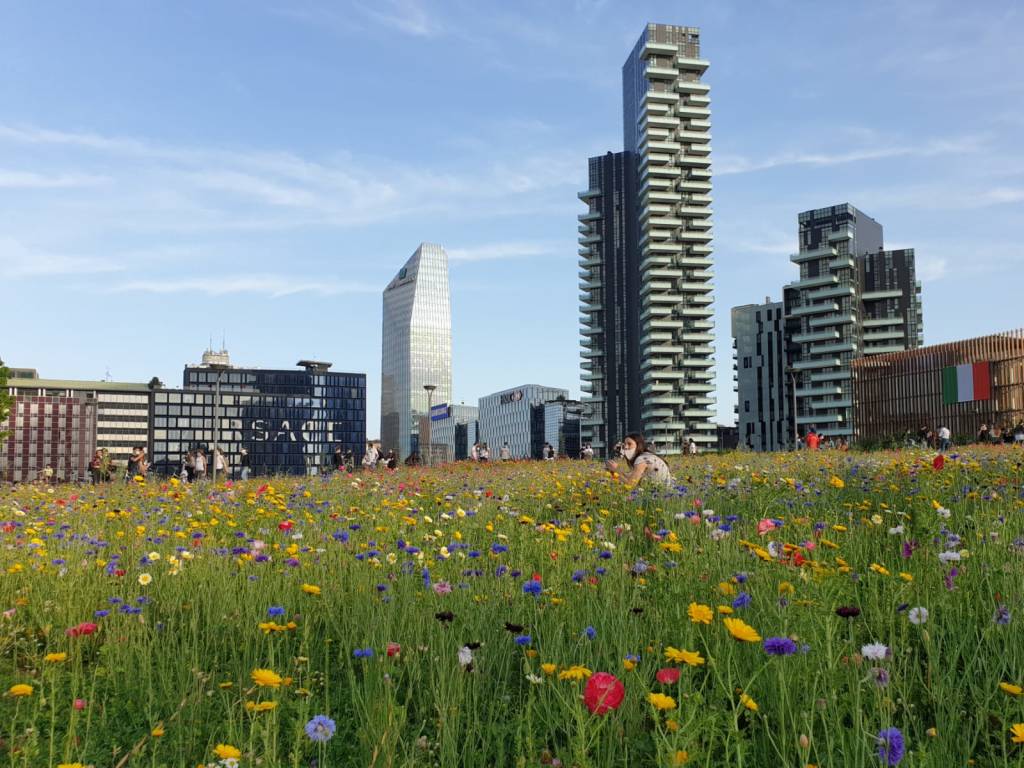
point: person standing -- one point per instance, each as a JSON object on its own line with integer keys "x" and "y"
{"x": 505, "y": 453}
{"x": 371, "y": 457}
{"x": 338, "y": 459}
{"x": 587, "y": 453}
{"x": 485, "y": 453}
{"x": 220, "y": 464}
{"x": 944, "y": 438}
{"x": 813, "y": 440}
{"x": 245, "y": 463}
{"x": 475, "y": 453}
{"x": 983, "y": 434}
{"x": 691, "y": 447}
{"x": 200, "y": 465}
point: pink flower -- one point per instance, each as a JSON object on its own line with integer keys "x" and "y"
{"x": 79, "y": 704}
{"x": 442, "y": 588}
{"x": 764, "y": 526}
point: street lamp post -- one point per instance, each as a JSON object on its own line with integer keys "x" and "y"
{"x": 430, "y": 426}
{"x": 216, "y": 418}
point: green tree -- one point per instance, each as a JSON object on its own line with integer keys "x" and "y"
{"x": 5, "y": 399}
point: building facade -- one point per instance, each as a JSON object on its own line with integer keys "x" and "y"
{"x": 666, "y": 135}
{"x": 289, "y": 421}
{"x": 122, "y": 409}
{"x": 960, "y": 385}
{"x": 456, "y": 432}
{"x": 416, "y": 347}
{"x": 852, "y": 298}
{"x": 562, "y": 426}
{"x": 764, "y": 408}
{"x": 610, "y": 301}
{"x": 51, "y": 437}
{"x": 516, "y": 416}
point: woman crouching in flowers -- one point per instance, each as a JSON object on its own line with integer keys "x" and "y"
{"x": 642, "y": 462}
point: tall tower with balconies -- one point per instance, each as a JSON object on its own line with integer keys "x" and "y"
{"x": 853, "y": 299}
{"x": 666, "y": 132}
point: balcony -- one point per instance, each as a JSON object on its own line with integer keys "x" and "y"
{"x": 652, "y": 48}
{"x": 814, "y": 309}
{"x": 696, "y": 137}
{"x": 661, "y": 73}
{"x": 692, "y": 65}
{"x": 883, "y": 335}
{"x": 817, "y": 253}
{"x": 693, "y": 113}
{"x": 688, "y": 235}
{"x": 589, "y": 216}
{"x": 842, "y": 234}
{"x": 877, "y": 322}
{"x": 664, "y": 97}
{"x": 590, "y": 239}
{"x": 587, "y": 194}
{"x": 826, "y": 404}
{"x": 814, "y": 282}
{"x": 831, "y": 293}
{"x": 824, "y": 349}
{"x": 884, "y": 349}
{"x": 843, "y": 262}
{"x": 818, "y": 322}
{"x": 812, "y": 365}
{"x": 806, "y": 338}
{"x": 693, "y": 185}
{"x": 879, "y": 295}
{"x": 692, "y": 86}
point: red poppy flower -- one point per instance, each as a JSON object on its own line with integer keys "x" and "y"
{"x": 85, "y": 628}
{"x": 285, "y": 525}
{"x": 394, "y": 649}
{"x": 603, "y": 693}
{"x": 668, "y": 675}
{"x": 939, "y": 462}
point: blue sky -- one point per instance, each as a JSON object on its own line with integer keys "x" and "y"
{"x": 260, "y": 168}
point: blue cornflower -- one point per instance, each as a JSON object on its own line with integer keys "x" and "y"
{"x": 101, "y": 614}
{"x": 523, "y": 640}
{"x": 275, "y": 610}
{"x": 890, "y": 746}
{"x": 779, "y": 646}
{"x": 320, "y": 728}
{"x": 498, "y": 548}
{"x": 742, "y": 600}
{"x": 532, "y": 587}
{"x": 579, "y": 576}
{"x": 1002, "y": 615}
{"x": 590, "y": 632}
{"x": 363, "y": 653}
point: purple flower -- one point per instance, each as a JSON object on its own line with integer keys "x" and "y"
{"x": 275, "y": 610}
{"x": 890, "y": 746}
{"x": 1002, "y": 615}
{"x": 590, "y": 633}
{"x": 320, "y": 728}
{"x": 532, "y": 587}
{"x": 779, "y": 646}
{"x": 523, "y": 640}
{"x": 742, "y": 600}
{"x": 881, "y": 676}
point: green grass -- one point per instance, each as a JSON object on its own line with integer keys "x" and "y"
{"x": 184, "y": 660}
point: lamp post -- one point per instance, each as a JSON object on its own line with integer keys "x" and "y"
{"x": 216, "y": 416}
{"x": 792, "y": 386}
{"x": 430, "y": 427}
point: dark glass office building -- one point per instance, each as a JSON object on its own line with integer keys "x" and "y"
{"x": 289, "y": 421}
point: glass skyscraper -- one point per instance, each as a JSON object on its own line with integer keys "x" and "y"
{"x": 416, "y": 347}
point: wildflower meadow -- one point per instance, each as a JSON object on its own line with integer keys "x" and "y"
{"x": 807, "y": 609}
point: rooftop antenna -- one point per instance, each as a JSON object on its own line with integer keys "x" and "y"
{"x": 223, "y": 344}
{"x": 106, "y": 376}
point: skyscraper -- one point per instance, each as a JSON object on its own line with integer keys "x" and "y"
{"x": 853, "y": 298}
{"x": 653, "y": 220}
{"x": 764, "y": 409}
{"x": 610, "y": 300}
{"x": 416, "y": 347}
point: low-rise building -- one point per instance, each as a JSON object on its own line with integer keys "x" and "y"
{"x": 51, "y": 437}
{"x": 516, "y": 416}
{"x": 961, "y": 385}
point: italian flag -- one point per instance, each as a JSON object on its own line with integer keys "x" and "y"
{"x": 965, "y": 383}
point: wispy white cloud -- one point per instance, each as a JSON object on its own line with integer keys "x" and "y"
{"x": 19, "y": 261}
{"x": 737, "y": 164}
{"x": 511, "y": 250}
{"x": 408, "y": 16}
{"x": 272, "y": 285}
{"x": 30, "y": 180}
